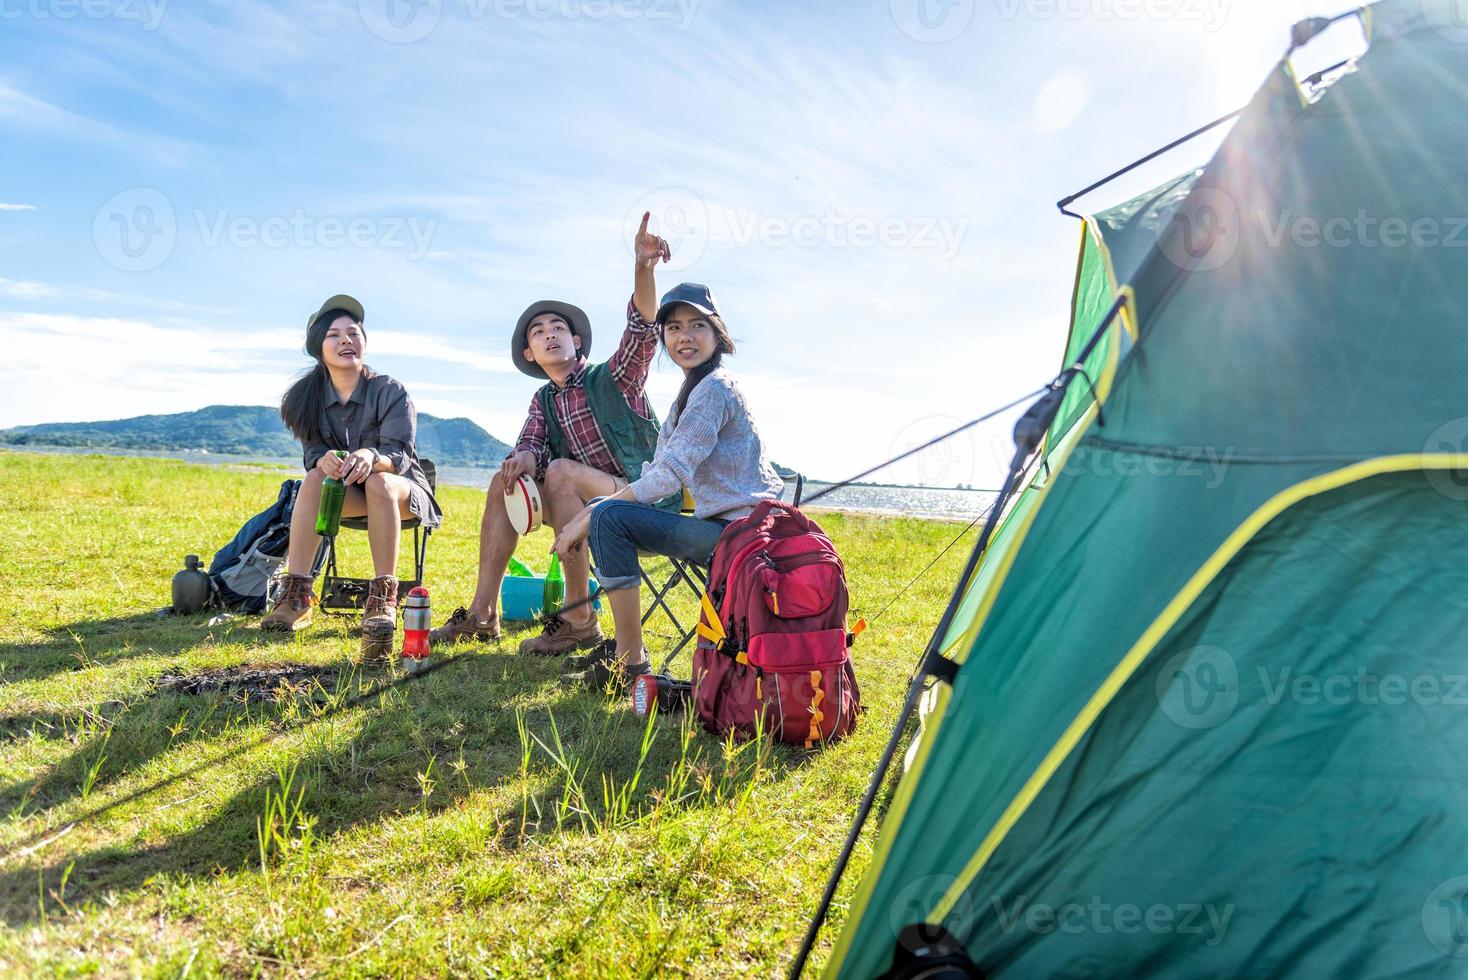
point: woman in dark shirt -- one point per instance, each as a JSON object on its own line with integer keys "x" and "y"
{"x": 343, "y": 405}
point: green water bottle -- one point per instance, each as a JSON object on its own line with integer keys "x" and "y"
{"x": 519, "y": 568}
{"x": 555, "y": 587}
{"x": 333, "y": 493}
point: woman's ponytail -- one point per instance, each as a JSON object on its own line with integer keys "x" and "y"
{"x": 304, "y": 402}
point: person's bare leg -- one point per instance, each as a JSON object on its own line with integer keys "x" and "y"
{"x": 627, "y": 615}
{"x": 568, "y": 487}
{"x": 497, "y": 540}
{"x": 304, "y": 542}
{"x": 387, "y": 497}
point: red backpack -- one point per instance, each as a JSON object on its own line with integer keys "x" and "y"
{"x": 773, "y": 652}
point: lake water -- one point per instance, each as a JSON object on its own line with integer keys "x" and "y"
{"x": 913, "y": 501}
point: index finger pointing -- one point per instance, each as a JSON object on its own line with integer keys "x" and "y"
{"x": 646, "y": 216}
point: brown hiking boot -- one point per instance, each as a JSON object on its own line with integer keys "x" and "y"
{"x": 380, "y": 618}
{"x": 292, "y": 609}
{"x": 562, "y": 636}
{"x": 464, "y": 625}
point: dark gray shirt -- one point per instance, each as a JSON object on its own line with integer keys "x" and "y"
{"x": 380, "y": 416}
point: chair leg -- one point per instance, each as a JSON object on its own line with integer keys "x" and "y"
{"x": 323, "y": 550}
{"x": 420, "y": 552}
{"x": 659, "y": 599}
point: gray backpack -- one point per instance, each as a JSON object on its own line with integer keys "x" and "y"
{"x": 244, "y": 572}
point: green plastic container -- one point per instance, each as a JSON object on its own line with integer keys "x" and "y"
{"x": 521, "y": 597}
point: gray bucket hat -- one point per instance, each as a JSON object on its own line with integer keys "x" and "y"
{"x": 575, "y": 318}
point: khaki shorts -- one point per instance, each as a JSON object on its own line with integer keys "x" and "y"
{"x": 619, "y": 483}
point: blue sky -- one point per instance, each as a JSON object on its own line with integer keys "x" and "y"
{"x": 868, "y": 186}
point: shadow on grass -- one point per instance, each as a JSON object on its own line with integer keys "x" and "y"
{"x": 101, "y": 642}
{"x": 116, "y": 739}
{"x": 423, "y": 746}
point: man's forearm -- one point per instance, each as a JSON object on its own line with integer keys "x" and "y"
{"x": 645, "y": 292}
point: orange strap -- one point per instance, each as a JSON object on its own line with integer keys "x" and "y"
{"x": 816, "y": 715}
{"x": 710, "y": 627}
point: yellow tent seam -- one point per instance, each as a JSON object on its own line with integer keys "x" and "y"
{"x": 1154, "y": 634}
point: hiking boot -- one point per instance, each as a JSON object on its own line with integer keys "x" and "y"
{"x": 562, "y": 636}
{"x": 380, "y": 619}
{"x": 604, "y": 672}
{"x": 604, "y": 652}
{"x": 292, "y": 609}
{"x": 464, "y": 625}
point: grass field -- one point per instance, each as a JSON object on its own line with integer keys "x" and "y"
{"x": 481, "y": 820}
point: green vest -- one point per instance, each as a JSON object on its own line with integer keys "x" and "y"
{"x": 631, "y": 438}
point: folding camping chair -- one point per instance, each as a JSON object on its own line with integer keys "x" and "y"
{"x": 343, "y": 594}
{"x": 695, "y": 575}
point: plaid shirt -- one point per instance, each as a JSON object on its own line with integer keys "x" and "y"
{"x": 629, "y": 367}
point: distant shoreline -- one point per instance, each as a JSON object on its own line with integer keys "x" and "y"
{"x": 882, "y": 500}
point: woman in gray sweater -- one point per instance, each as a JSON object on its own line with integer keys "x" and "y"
{"x": 708, "y": 449}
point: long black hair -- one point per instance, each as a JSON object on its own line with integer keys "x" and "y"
{"x": 305, "y": 400}
{"x": 724, "y": 344}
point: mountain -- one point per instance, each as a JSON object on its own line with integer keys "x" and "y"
{"x": 248, "y": 430}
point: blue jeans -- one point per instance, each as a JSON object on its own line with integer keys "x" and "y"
{"x": 622, "y": 528}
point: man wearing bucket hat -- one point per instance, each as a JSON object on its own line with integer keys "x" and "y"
{"x": 589, "y": 431}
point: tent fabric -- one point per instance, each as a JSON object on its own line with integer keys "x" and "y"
{"x": 1277, "y": 477}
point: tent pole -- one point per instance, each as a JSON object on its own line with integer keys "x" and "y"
{"x": 1028, "y": 432}
{"x": 1064, "y": 203}
{"x": 914, "y": 692}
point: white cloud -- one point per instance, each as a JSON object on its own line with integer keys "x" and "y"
{"x": 17, "y": 207}
{"x": 28, "y": 290}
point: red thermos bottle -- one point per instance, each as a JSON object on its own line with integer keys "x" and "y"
{"x": 415, "y": 631}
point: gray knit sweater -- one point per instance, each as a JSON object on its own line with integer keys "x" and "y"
{"x": 714, "y": 451}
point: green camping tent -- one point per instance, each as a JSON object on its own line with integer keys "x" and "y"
{"x": 1213, "y": 668}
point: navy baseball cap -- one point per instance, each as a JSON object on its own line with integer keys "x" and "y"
{"x": 696, "y": 295}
